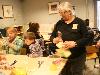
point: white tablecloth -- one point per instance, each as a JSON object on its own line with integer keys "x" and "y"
{"x": 31, "y": 65}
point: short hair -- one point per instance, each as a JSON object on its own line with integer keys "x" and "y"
{"x": 66, "y": 6}
{"x": 29, "y": 35}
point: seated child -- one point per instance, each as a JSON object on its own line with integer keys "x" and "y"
{"x": 34, "y": 47}
{"x": 14, "y": 42}
{"x": 98, "y": 53}
{"x": 3, "y": 63}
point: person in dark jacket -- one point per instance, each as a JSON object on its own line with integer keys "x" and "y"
{"x": 98, "y": 53}
{"x": 75, "y": 37}
{"x": 90, "y": 31}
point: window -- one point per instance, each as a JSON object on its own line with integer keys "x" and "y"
{"x": 98, "y": 15}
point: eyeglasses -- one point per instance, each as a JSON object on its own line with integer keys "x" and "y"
{"x": 63, "y": 12}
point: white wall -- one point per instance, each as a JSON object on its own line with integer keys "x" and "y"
{"x": 17, "y": 9}
{"x": 91, "y": 13}
{"x": 37, "y": 11}
{"x": 98, "y": 15}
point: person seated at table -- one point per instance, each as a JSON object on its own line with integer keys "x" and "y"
{"x": 98, "y": 53}
{"x": 90, "y": 31}
{"x": 98, "y": 43}
{"x": 4, "y": 65}
{"x": 35, "y": 49}
{"x": 13, "y": 42}
{"x": 34, "y": 27}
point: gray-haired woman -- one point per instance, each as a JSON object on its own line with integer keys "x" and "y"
{"x": 75, "y": 37}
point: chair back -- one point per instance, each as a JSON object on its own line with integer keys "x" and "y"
{"x": 22, "y": 51}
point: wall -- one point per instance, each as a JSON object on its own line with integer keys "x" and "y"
{"x": 18, "y": 15}
{"x": 91, "y": 12}
{"x": 98, "y": 15}
{"x": 37, "y": 11}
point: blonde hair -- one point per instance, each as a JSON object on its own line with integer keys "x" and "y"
{"x": 66, "y": 6}
{"x": 12, "y": 29}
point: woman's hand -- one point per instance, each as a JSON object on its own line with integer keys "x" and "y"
{"x": 57, "y": 40}
{"x": 69, "y": 44}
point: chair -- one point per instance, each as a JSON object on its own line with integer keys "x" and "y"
{"x": 92, "y": 52}
{"x": 91, "y": 49}
{"x": 22, "y": 51}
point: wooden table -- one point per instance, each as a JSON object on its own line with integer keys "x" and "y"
{"x": 31, "y": 65}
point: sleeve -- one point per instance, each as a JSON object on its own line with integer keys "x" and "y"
{"x": 86, "y": 36}
{"x": 18, "y": 44}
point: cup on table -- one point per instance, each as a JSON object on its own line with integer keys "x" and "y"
{"x": 19, "y": 71}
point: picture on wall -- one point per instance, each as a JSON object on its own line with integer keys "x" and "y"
{"x": 53, "y": 7}
{"x": 7, "y": 11}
